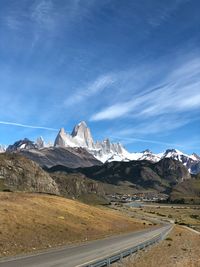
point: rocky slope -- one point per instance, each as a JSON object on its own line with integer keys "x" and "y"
{"x": 187, "y": 192}
{"x": 68, "y": 156}
{"x": 192, "y": 162}
{"x": 72, "y": 157}
{"x": 78, "y": 186}
{"x": 17, "y": 173}
{"x": 140, "y": 175}
{"x": 21, "y": 174}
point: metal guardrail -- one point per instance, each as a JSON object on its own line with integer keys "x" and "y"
{"x": 106, "y": 261}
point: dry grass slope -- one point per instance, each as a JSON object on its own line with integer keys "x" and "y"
{"x": 181, "y": 214}
{"x": 29, "y": 222}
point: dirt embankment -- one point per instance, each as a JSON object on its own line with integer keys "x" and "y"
{"x": 180, "y": 249}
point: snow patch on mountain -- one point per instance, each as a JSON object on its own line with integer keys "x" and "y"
{"x": 21, "y": 145}
{"x": 2, "y": 148}
{"x": 194, "y": 156}
{"x": 40, "y": 142}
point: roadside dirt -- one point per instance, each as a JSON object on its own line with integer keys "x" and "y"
{"x": 180, "y": 249}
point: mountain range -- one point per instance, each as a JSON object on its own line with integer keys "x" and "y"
{"x": 160, "y": 176}
{"x": 76, "y": 166}
{"x": 83, "y": 151}
{"x": 105, "y": 151}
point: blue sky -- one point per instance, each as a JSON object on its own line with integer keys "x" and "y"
{"x": 130, "y": 69}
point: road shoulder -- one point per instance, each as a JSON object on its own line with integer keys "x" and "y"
{"x": 180, "y": 249}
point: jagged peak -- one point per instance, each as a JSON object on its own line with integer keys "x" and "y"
{"x": 147, "y": 151}
{"x": 62, "y": 130}
{"x": 80, "y": 128}
{"x": 195, "y": 156}
{"x": 40, "y": 142}
{"x": 173, "y": 150}
{"x": 22, "y": 144}
{"x": 83, "y": 123}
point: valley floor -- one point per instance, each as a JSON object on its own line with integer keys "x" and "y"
{"x": 181, "y": 214}
{"x": 31, "y": 222}
{"x": 180, "y": 249}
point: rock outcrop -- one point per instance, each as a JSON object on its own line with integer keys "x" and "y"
{"x": 18, "y": 173}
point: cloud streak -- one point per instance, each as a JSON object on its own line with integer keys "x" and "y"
{"x": 99, "y": 85}
{"x": 178, "y": 93}
{"x": 27, "y": 126}
{"x": 158, "y": 125}
{"x": 42, "y": 14}
{"x": 149, "y": 141}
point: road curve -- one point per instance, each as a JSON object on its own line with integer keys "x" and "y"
{"x": 78, "y": 255}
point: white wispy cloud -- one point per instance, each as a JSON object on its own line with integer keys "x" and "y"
{"x": 42, "y": 13}
{"x": 13, "y": 22}
{"x": 155, "y": 126}
{"x": 100, "y": 84}
{"x": 164, "y": 14}
{"x": 184, "y": 144}
{"x": 27, "y": 126}
{"x": 177, "y": 93}
{"x": 49, "y": 15}
{"x": 128, "y": 140}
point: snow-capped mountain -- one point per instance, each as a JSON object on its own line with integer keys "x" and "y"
{"x": 107, "y": 151}
{"x": 175, "y": 154}
{"x": 81, "y": 137}
{"x": 194, "y": 156}
{"x": 192, "y": 162}
{"x": 148, "y": 155}
{"x": 27, "y": 144}
{"x": 40, "y": 142}
{"x": 22, "y": 144}
{"x": 144, "y": 155}
{"x": 104, "y": 151}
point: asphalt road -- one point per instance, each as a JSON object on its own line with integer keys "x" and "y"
{"x": 78, "y": 255}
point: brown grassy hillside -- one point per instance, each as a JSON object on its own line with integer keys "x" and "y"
{"x": 189, "y": 191}
{"x": 34, "y": 221}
